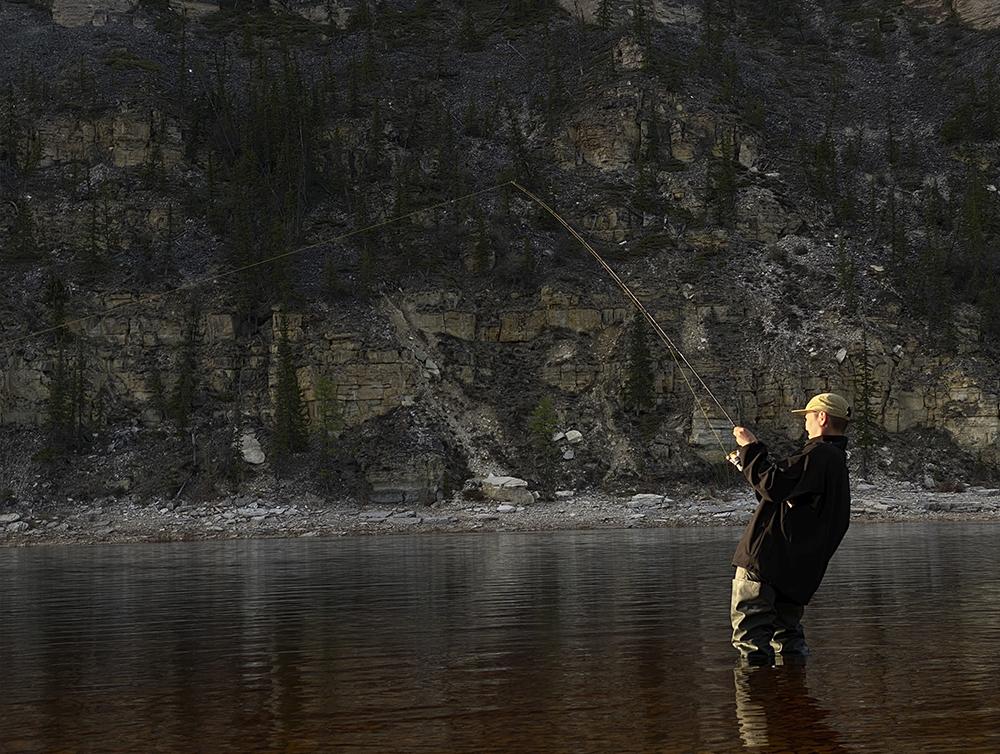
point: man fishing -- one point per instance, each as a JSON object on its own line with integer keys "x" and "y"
{"x": 803, "y": 513}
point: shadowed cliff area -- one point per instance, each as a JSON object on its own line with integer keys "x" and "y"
{"x": 253, "y": 247}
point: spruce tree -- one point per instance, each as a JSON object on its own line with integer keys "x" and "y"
{"x": 290, "y": 430}
{"x": 23, "y": 247}
{"x": 529, "y": 266}
{"x": 604, "y": 13}
{"x": 482, "y": 251}
{"x": 542, "y": 425}
{"x": 722, "y": 179}
{"x": 847, "y": 277}
{"x": 638, "y": 395}
{"x": 864, "y": 395}
{"x": 181, "y": 402}
{"x": 469, "y": 33}
{"x": 67, "y": 401}
{"x": 60, "y": 407}
{"x": 56, "y": 297}
{"x": 329, "y": 424}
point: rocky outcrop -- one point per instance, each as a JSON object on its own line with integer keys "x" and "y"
{"x": 980, "y": 14}
{"x": 604, "y": 137}
{"x": 761, "y": 217}
{"x": 131, "y": 138}
{"x": 75, "y": 13}
{"x": 406, "y": 480}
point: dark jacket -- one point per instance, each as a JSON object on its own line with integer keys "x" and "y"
{"x": 804, "y": 512}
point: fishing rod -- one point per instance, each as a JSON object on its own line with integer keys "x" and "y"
{"x": 675, "y": 352}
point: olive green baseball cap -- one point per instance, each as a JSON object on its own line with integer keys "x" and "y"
{"x": 830, "y": 403}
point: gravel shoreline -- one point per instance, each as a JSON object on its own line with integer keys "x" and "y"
{"x": 123, "y": 521}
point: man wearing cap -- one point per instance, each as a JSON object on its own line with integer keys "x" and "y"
{"x": 803, "y": 513}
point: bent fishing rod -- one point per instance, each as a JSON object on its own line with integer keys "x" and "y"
{"x": 675, "y": 352}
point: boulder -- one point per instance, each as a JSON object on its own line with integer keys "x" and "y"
{"x": 502, "y": 489}
{"x": 251, "y": 449}
{"x": 644, "y": 500}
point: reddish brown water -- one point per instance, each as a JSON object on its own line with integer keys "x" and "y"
{"x": 613, "y": 641}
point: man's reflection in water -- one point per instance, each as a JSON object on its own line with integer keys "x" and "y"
{"x": 775, "y": 712}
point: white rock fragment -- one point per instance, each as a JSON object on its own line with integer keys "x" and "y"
{"x": 841, "y": 355}
{"x": 644, "y": 500}
{"x": 506, "y": 508}
{"x": 250, "y": 448}
{"x": 574, "y": 437}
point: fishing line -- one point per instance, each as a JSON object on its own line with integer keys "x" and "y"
{"x": 674, "y": 351}
{"x": 215, "y": 277}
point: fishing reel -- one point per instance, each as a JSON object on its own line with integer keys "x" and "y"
{"x": 734, "y": 458}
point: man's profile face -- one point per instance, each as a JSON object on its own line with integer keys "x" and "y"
{"x": 814, "y": 423}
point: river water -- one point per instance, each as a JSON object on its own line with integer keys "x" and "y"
{"x": 603, "y": 641}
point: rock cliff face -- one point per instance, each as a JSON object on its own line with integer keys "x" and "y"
{"x": 981, "y": 14}
{"x": 580, "y": 355}
{"x": 701, "y": 172}
{"x": 74, "y": 13}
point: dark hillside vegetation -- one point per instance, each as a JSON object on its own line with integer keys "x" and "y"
{"x": 773, "y": 178}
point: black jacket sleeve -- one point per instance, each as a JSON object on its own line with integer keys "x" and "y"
{"x": 777, "y": 482}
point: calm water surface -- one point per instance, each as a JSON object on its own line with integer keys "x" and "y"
{"x": 611, "y": 641}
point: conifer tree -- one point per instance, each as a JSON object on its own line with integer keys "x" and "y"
{"x": 604, "y": 13}
{"x": 329, "y": 424}
{"x": 638, "y": 395}
{"x": 847, "y": 277}
{"x": 182, "y": 396}
{"x": 723, "y": 179}
{"x": 470, "y": 39}
{"x": 974, "y": 224}
{"x": 542, "y": 425}
{"x": 157, "y": 393}
{"x": 67, "y": 401}
{"x": 60, "y": 411}
{"x": 897, "y": 237}
{"x": 290, "y": 429}
{"x": 892, "y": 150}
{"x": 482, "y": 251}
{"x": 864, "y": 416}
{"x": 23, "y": 247}
{"x": 528, "y": 263}
{"x": 361, "y": 18}
{"x": 56, "y": 297}
{"x": 640, "y": 24}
